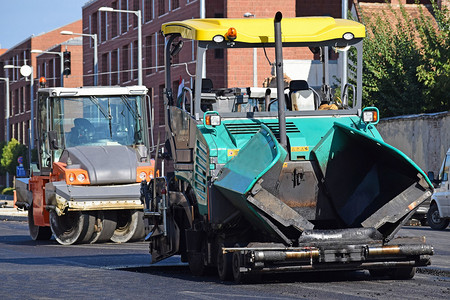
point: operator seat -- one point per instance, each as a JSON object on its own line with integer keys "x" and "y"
{"x": 302, "y": 96}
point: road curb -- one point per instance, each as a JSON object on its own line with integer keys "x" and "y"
{"x": 18, "y": 218}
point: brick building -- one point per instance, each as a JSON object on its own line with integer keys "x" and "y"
{"x": 20, "y": 93}
{"x": 117, "y": 42}
{"x": 49, "y": 65}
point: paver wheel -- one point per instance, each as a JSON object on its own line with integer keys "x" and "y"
{"x": 236, "y": 267}
{"x": 105, "y": 225}
{"x": 72, "y": 227}
{"x": 224, "y": 264}
{"x": 403, "y": 273}
{"x": 196, "y": 263}
{"x": 37, "y": 233}
{"x": 130, "y": 226}
{"x": 395, "y": 273}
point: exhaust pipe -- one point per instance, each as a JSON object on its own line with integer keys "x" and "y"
{"x": 280, "y": 81}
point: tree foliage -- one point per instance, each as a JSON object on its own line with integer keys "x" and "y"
{"x": 10, "y": 154}
{"x": 406, "y": 62}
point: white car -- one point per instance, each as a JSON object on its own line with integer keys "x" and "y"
{"x": 439, "y": 213}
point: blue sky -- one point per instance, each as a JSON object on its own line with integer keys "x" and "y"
{"x": 19, "y": 19}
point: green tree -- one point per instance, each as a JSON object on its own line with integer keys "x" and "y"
{"x": 434, "y": 72}
{"x": 10, "y": 154}
{"x": 406, "y": 62}
{"x": 2, "y": 146}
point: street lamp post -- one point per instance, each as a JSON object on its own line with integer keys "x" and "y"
{"x": 26, "y": 71}
{"x": 94, "y": 37}
{"x": 6, "y": 79}
{"x": 344, "y": 58}
{"x": 138, "y": 14}
{"x": 255, "y": 57}
{"x": 61, "y": 55}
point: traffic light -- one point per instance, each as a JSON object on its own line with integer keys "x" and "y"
{"x": 66, "y": 58}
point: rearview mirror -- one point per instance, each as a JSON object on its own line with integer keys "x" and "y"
{"x": 53, "y": 140}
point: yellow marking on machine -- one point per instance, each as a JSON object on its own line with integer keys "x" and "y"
{"x": 300, "y": 149}
{"x": 232, "y": 152}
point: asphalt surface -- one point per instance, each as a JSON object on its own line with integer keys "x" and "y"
{"x": 440, "y": 265}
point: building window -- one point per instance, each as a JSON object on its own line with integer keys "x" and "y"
{"x": 175, "y": 4}
{"x": 114, "y": 66}
{"x": 161, "y": 104}
{"x": 27, "y": 96}
{"x": 161, "y": 7}
{"x": 149, "y": 54}
{"x": 135, "y": 59}
{"x": 160, "y": 48}
{"x": 114, "y": 19}
{"x": 125, "y": 64}
{"x": 175, "y": 59}
{"x": 51, "y": 67}
{"x": 103, "y": 26}
{"x": 175, "y": 85}
{"x": 21, "y": 110}
{"x": 218, "y": 53}
{"x": 94, "y": 23}
{"x": 124, "y": 17}
{"x": 105, "y": 73}
{"x": 135, "y": 8}
{"x": 148, "y": 10}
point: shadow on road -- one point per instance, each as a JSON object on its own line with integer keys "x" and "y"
{"x": 183, "y": 273}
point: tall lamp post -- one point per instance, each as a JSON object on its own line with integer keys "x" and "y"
{"x": 344, "y": 78}
{"x": 94, "y": 37}
{"x": 6, "y": 79}
{"x": 26, "y": 71}
{"x": 255, "y": 58}
{"x": 61, "y": 55}
{"x": 138, "y": 14}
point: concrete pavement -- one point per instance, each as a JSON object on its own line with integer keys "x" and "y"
{"x": 9, "y": 213}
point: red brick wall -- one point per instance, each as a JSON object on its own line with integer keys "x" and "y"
{"x": 319, "y": 8}
{"x": 240, "y": 61}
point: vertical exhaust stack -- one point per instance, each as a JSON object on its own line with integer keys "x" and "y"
{"x": 280, "y": 81}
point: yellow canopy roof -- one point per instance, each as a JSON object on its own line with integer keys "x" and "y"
{"x": 304, "y": 29}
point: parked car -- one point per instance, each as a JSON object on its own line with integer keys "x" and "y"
{"x": 438, "y": 215}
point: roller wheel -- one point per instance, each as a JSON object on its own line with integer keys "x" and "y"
{"x": 224, "y": 264}
{"x": 72, "y": 227}
{"x": 130, "y": 226}
{"x": 434, "y": 219}
{"x": 196, "y": 263}
{"x": 37, "y": 233}
{"x": 105, "y": 225}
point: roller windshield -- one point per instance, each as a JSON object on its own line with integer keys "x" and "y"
{"x": 90, "y": 120}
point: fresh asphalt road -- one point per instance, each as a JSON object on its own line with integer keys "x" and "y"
{"x": 47, "y": 270}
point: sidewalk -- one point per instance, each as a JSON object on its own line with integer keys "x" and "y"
{"x": 9, "y": 213}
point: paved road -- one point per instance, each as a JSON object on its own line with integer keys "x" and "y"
{"x": 46, "y": 270}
